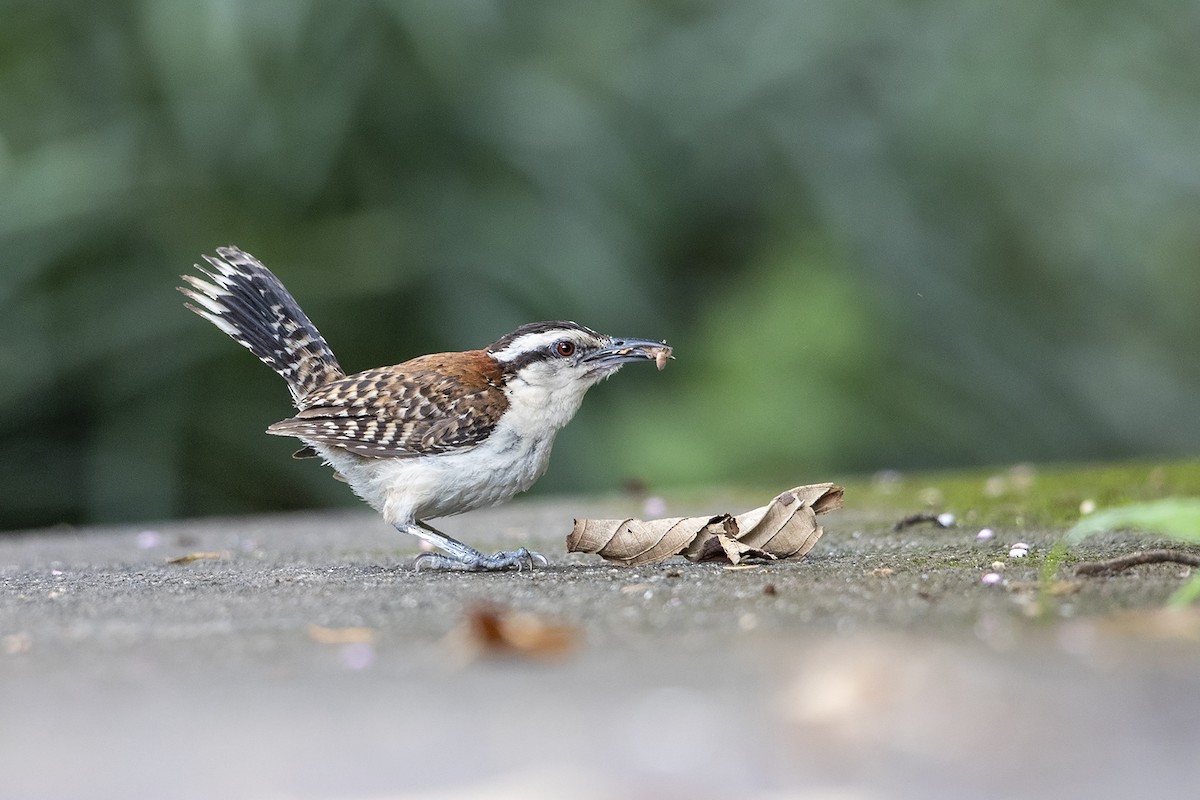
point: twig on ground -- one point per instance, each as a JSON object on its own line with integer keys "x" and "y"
{"x": 938, "y": 520}
{"x": 1137, "y": 559}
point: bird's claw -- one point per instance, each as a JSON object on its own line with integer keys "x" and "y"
{"x": 522, "y": 558}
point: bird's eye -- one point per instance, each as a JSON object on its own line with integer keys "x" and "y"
{"x": 564, "y": 348}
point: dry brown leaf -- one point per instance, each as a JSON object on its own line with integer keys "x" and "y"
{"x": 323, "y": 635}
{"x": 197, "y": 556}
{"x": 493, "y": 630}
{"x": 784, "y": 528}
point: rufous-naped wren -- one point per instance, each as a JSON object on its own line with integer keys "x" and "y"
{"x": 436, "y": 435}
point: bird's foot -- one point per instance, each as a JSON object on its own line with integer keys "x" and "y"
{"x": 522, "y": 558}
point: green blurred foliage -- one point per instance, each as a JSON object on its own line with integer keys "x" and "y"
{"x": 879, "y": 234}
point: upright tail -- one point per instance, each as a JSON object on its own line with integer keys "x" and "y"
{"x": 250, "y": 304}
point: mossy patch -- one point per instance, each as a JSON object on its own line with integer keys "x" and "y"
{"x": 1024, "y": 495}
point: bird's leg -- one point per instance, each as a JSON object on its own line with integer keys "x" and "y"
{"x": 456, "y": 555}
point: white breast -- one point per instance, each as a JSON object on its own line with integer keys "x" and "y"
{"x": 427, "y": 487}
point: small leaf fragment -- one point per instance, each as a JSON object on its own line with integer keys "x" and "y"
{"x": 494, "y": 630}
{"x": 196, "y": 556}
{"x": 354, "y": 635}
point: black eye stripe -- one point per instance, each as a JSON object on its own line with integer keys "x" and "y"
{"x": 525, "y": 359}
{"x": 547, "y": 353}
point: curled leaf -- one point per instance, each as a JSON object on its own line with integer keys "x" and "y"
{"x": 784, "y": 528}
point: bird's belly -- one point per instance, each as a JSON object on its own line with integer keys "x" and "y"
{"x": 426, "y": 487}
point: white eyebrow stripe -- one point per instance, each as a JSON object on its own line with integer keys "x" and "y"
{"x": 534, "y": 341}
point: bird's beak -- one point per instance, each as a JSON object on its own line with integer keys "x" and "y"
{"x": 622, "y": 351}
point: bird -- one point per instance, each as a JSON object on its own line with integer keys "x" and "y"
{"x": 436, "y": 435}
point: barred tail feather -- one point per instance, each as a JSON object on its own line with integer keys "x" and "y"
{"x": 246, "y": 301}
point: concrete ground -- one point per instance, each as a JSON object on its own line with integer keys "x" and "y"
{"x": 309, "y": 661}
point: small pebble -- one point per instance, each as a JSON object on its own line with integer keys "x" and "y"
{"x": 357, "y": 656}
{"x": 930, "y": 496}
{"x": 654, "y": 507}
{"x": 16, "y": 643}
{"x": 1018, "y": 552}
{"x": 985, "y": 534}
{"x": 994, "y": 486}
{"x": 887, "y": 481}
{"x": 946, "y": 520}
{"x": 997, "y": 566}
{"x": 149, "y": 539}
{"x": 991, "y": 578}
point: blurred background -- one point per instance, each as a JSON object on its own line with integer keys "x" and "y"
{"x": 879, "y": 234}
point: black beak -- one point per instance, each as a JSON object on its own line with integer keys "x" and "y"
{"x": 622, "y": 351}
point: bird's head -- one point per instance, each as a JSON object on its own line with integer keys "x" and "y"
{"x": 555, "y": 363}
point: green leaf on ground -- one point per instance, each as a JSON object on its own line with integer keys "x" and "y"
{"x": 1175, "y": 517}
